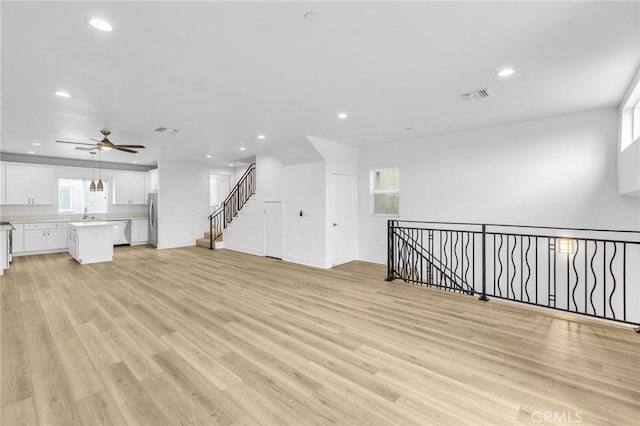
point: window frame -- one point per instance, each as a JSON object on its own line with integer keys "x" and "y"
{"x": 373, "y": 192}
{"x": 83, "y": 196}
{"x": 635, "y": 122}
{"x": 70, "y": 191}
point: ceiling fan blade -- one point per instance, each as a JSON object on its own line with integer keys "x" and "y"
{"x": 95, "y": 139}
{"x": 86, "y": 149}
{"x": 130, "y": 146}
{"x": 124, "y": 149}
{"x": 78, "y": 143}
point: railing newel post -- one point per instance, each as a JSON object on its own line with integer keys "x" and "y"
{"x": 483, "y": 296}
{"x": 390, "y": 256}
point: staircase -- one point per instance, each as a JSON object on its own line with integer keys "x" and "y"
{"x": 221, "y": 218}
{"x": 206, "y": 241}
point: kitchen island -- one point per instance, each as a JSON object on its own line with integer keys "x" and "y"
{"x": 91, "y": 242}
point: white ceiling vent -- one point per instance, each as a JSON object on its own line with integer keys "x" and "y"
{"x": 165, "y": 130}
{"x": 476, "y": 95}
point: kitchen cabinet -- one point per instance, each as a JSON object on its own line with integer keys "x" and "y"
{"x": 91, "y": 242}
{"x": 5, "y": 254}
{"x": 45, "y": 236}
{"x": 29, "y": 185}
{"x": 129, "y": 188}
{"x": 139, "y": 231}
{"x": 18, "y": 238}
{"x": 154, "y": 180}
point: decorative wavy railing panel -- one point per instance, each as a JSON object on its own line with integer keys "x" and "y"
{"x": 584, "y": 271}
{"x": 237, "y": 198}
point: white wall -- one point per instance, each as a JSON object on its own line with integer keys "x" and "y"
{"x": 629, "y": 170}
{"x": 558, "y": 171}
{"x": 299, "y": 187}
{"x": 183, "y": 203}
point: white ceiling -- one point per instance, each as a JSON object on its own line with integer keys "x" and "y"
{"x": 238, "y": 69}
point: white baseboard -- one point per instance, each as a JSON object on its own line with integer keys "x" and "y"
{"x": 307, "y": 261}
{"x": 244, "y": 249}
{"x": 373, "y": 259}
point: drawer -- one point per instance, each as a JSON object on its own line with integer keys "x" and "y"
{"x": 45, "y": 225}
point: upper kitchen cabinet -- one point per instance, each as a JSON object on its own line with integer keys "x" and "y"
{"x": 154, "y": 180}
{"x": 129, "y": 188}
{"x": 30, "y": 185}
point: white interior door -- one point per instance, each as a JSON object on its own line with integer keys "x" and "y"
{"x": 343, "y": 247}
{"x": 219, "y": 187}
{"x": 273, "y": 229}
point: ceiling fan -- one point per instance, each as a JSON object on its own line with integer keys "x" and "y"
{"x": 105, "y": 144}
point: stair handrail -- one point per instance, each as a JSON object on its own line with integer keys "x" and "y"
{"x": 238, "y": 196}
{"x": 456, "y": 281}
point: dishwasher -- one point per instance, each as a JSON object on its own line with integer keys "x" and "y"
{"x": 121, "y": 232}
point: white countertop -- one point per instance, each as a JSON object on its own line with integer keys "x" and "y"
{"x": 90, "y": 223}
{"x": 100, "y": 217}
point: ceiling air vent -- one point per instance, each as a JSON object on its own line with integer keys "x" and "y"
{"x": 165, "y": 130}
{"x": 476, "y": 95}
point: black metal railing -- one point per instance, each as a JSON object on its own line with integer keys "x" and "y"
{"x": 585, "y": 271}
{"x": 237, "y": 198}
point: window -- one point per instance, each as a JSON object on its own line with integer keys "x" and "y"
{"x": 385, "y": 191}
{"x": 74, "y": 196}
{"x": 65, "y": 202}
{"x": 630, "y": 116}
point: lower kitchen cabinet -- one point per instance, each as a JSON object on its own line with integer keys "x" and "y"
{"x": 18, "y": 238}
{"x": 139, "y": 231}
{"x": 91, "y": 242}
{"x": 45, "y": 236}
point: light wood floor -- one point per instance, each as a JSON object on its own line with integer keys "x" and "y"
{"x": 193, "y": 336}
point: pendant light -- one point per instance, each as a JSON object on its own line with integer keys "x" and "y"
{"x": 100, "y": 186}
{"x": 92, "y": 186}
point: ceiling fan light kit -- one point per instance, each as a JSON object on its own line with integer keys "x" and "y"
{"x": 106, "y": 144}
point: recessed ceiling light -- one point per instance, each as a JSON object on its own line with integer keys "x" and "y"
{"x": 261, "y": 136}
{"x": 36, "y": 143}
{"x": 134, "y": 162}
{"x": 231, "y": 164}
{"x": 505, "y": 72}
{"x": 100, "y": 24}
{"x": 62, "y": 94}
{"x": 407, "y": 128}
{"x": 342, "y": 115}
{"x": 31, "y": 152}
{"x": 208, "y": 156}
{"x": 242, "y": 148}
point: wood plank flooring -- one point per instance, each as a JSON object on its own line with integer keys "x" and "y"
{"x": 194, "y": 336}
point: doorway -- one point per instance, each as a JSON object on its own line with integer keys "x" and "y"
{"x": 219, "y": 187}
{"x": 342, "y": 232}
{"x": 273, "y": 229}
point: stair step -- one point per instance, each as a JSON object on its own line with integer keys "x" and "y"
{"x": 202, "y": 242}
{"x": 206, "y": 236}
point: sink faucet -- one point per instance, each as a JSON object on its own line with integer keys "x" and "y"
{"x": 86, "y": 214}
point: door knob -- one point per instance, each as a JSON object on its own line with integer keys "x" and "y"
{"x": 335, "y": 224}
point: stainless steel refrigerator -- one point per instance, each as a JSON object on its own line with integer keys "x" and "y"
{"x": 153, "y": 218}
